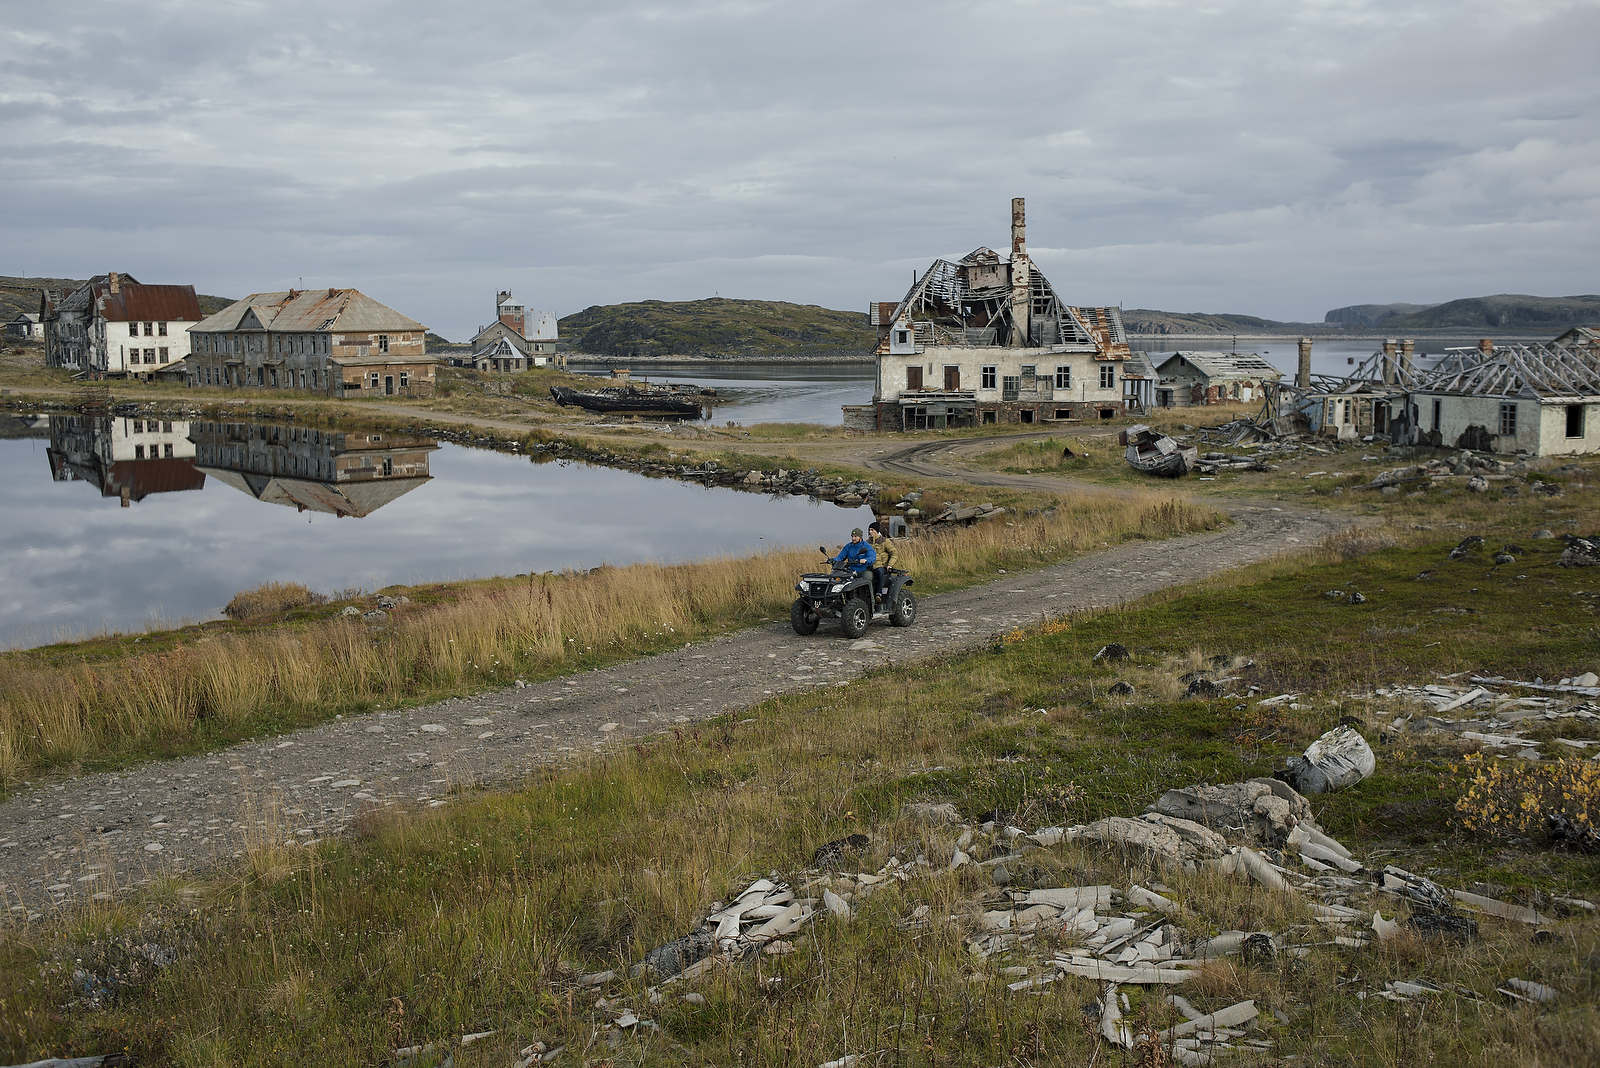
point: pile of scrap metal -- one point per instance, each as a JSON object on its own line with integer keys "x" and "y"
{"x": 1155, "y": 453}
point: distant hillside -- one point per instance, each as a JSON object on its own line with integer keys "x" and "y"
{"x": 718, "y": 326}
{"x": 1505, "y": 311}
{"x": 1150, "y": 321}
{"x": 1371, "y": 314}
{"x": 22, "y": 295}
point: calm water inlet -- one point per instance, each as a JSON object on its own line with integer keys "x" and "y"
{"x": 113, "y": 524}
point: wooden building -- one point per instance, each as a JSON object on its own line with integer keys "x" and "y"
{"x": 115, "y": 325}
{"x": 338, "y": 342}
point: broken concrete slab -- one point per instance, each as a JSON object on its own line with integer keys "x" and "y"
{"x": 1262, "y": 810}
{"x": 1159, "y": 839}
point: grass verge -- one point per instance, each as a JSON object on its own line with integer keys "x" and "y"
{"x": 228, "y": 685}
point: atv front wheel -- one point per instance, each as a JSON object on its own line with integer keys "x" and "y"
{"x": 903, "y": 612}
{"x": 802, "y": 617}
{"x": 855, "y": 617}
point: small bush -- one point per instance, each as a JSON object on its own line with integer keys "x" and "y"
{"x": 1555, "y": 798}
{"x": 269, "y": 599}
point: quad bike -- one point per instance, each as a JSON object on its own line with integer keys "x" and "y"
{"x": 849, "y": 597}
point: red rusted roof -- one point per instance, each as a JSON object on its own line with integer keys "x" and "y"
{"x": 134, "y": 302}
{"x": 143, "y": 477}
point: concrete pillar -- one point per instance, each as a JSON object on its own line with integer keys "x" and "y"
{"x": 1302, "y": 375}
{"x": 1390, "y": 347}
{"x": 1021, "y": 275}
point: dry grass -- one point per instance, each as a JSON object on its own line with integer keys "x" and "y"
{"x": 228, "y": 685}
{"x": 270, "y": 599}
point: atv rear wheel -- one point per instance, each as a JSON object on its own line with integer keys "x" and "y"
{"x": 903, "y": 612}
{"x": 802, "y": 617}
{"x": 854, "y": 618}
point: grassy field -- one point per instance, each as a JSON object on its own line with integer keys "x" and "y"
{"x": 110, "y": 701}
{"x": 481, "y": 915}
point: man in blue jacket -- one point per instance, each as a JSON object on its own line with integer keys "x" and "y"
{"x": 858, "y": 555}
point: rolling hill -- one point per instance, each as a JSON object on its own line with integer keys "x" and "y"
{"x": 718, "y": 327}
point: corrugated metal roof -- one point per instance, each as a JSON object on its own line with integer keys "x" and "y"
{"x": 134, "y": 302}
{"x": 1224, "y": 364}
{"x": 309, "y": 311}
{"x": 383, "y": 359}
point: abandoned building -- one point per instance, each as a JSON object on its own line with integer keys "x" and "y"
{"x": 1187, "y": 378}
{"x": 336, "y": 472}
{"x": 985, "y": 339}
{"x": 339, "y": 342}
{"x": 125, "y": 458}
{"x": 115, "y": 325}
{"x": 25, "y": 327}
{"x": 502, "y": 356}
{"x": 1541, "y": 398}
{"x": 535, "y": 336}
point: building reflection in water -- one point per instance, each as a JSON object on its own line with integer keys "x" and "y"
{"x": 339, "y": 472}
{"x": 126, "y": 458}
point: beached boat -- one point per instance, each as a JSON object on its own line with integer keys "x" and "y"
{"x": 629, "y": 400}
{"x": 1156, "y": 454}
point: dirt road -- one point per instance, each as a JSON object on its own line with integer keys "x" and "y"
{"x": 62, "y": 841}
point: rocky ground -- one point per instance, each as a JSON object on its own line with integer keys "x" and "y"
{"x": 67, "y": 840}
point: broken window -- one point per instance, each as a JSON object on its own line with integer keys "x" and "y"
{"x": 913, "y": 378}
{"x": 1108, "y": 377}
{"x": 1437, "y": 409}
{"x": 987, "y": 377}
{"x": 1574, "y": 420}
{"x": 1508, "y": 419}
{"x": 1063, "y": 376}
{"x": 149, "y": 329}
{"x": 405, "y": 379}
{"x": 383, "y": 342}
{"x": 161, "y": 328}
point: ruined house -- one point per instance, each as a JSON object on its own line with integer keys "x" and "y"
{"x": 25, "y": 327}
{"x": 1541, "y": 398}
{"x": 985, "y": 339}
{"x": 115, "y": 325}
{"x": 1189, "y": 378}
{"x": 502, "y": 356}
{"x": 338, "y": 342}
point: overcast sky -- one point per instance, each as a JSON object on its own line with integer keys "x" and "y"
{"x": 1272, "y": 158}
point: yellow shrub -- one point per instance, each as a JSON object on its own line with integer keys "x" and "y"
{"x": 1517, "y": 797}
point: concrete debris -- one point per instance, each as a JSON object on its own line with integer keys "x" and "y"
{"x": 1160, "y": 839}
{"x": 1338, "y": 759}
{"x": 1263, "y": 811}
{"x": 833, "y": 853}
{"x": 1111, "y": 653}
{"x": 1524, "y": 990}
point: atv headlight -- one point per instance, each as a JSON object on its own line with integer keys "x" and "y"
{"x": 801, "y": 586}
{"x": 838, "y": 587}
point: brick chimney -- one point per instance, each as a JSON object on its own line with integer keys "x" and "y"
{"x": 1390, "y": 347}
{"x": 1021, "y": 275}
{"x": 1408, "y": 346}
{"x": 1486, "y": 345}
{"x": 114, "y": 282}
{"x": 1302, "y": 375}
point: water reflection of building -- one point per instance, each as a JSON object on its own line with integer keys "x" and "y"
{"x": 335, "y": 471}
{"x": 126, "y": 458}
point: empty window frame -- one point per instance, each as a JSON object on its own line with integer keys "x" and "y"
{"x": 987, "y": 376}
{"x": 1574, "y": 420}
{"x": 1108, "y": 377}
{"x": 1063, "y": 376}
{"x": 1508, "y": 419}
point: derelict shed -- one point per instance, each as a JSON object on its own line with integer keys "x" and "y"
{"x": 1542, "y": 399}
{"x": 1190, "y": 378}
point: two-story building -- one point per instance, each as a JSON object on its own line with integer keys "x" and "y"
{"x": 339, "y": 342}
{"x": 115, "y": 325}
{"x": 985, "y": 339}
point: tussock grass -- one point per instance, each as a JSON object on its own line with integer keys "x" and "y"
{"x": 270, "y": 599}
{"x": 485, "y": 634}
